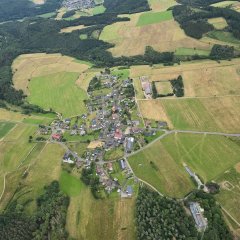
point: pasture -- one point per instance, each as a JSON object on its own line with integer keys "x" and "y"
{"x": 28, "y": 66}
{"x": 201, "y": 78}
{"x": 229, "y": 196}
{"x": 5, "y": 127}
{"x": 191, "y": 51}
{"x": 204, "y": 114}
{"x": 154, "y": 17}
{"x": 59, "y": 92}
{"x": 72, "y": 28}
{"x": 218, "y": 23}
{"x": 164, "y": 87}
{"x": 115, "y": 214}
{"x": 130, "y": 39}
{"x": 161, "y": 5}
{"x": 156, "y": 166}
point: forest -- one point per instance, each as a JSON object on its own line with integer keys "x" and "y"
{"x": 161, "y": 218}
{"x": 47, "y": 223}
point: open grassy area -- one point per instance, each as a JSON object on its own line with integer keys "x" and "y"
{"x": 5, "y": 127}
{"x": 114, "y": 154}
{"x": 116, "y": 217}
{"x": 131, "y": 39}
{"x": 154, "y": 17}
{"x": 201, "y": 78}
{"x": 98, "y": 10}
{"x": 204, "y": 114}
{"x": 72, "y": 28}
{"x": 59, "y": 92}
{"x": 229, "y": 196}
{"x": 226, "y": 37}
{"x": 164, "y": 87}
{"x": 156, "y": 166}
{"x": 218, "y": 23}
{"x": 69, "y": 184}
{"x": 190, "y": 51}
{"x": 161, "y": 5}
{"x": 224, "y": 4}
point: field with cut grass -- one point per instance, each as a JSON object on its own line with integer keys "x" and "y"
{"x": 5, "y": 127}
{"x": 59, "y": 92}
{"x": 156, "y": 166}
{"x": 191, "y": 51}
{"x": 218, "y": 23}
{"x": 131, "y": 39}
{"x": 28, "y": 66}
{"x": 204, "y": 114}
{"x": 163, "y": 87}
{"x": 201, "y": 78}
{"x": 72, "y": 28}
{"x": 229, "y": 196}
{"x": 154, "y": 17}
{"x": 112, "y": 218}
{"x": 161, "y": 5}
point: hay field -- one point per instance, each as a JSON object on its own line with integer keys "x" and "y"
{"x": 93, "y": 219}
{"x": 201, "y": 78}
{"x": 131, "y": 40}
{"x": 28, "y": 66}
{"x": 5, "y": 127}
{"x": 156, "y": 166}
{"x": 72, "y": 28}
{"x": 205, "y": 114}
{"x": 59, "y": 92}
{"x": 161, "y": 5}
{"x": 148, "y": 18}
{"x": 218, "y": 23}
{"x": 232, "y": 4}
{"x": 163, "y": 87}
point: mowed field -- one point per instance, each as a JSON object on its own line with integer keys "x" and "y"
{"x": 161, "y": 164}
{"x": 235, "y": 5}
{"x": 203, "y": 114}
{"x": 218, "y": 23}
{"x": 91, "y": 219}
{"x": 131, "y": 39}
{"x": 5, "y": 127}
{"x": 161, "y": 5}
{"x": 201, "y": 78}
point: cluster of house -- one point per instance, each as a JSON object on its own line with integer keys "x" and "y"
{"x": 146, "y": 86}
{"x": 78, "y": 4}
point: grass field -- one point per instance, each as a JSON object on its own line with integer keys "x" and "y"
{"x": 163, "y": 87}
{"x": 93, "y": 219}
{"x": 59, "y": 92}
{"x": 5, "y": 127}
{"x": 130, "y": 39}
{"x": 161, "y": 5}
{"x": 154, "y": 17}
{"x": 222, "y": 36}
{"x": 229, "y": 196}
{"x": 156, "y": 166}
{"x": 224, "y": 4}
{"x": 190, "y": 51}
{"x": 201, "y": 78}
{"x": 69, "y": 184}
{"x": 28, "y": 66}
{"x": 218, "y": 23}
{"x": 204, "y": 114}
{"x": 98, "y": 10}
{"x": 72, "y": 28}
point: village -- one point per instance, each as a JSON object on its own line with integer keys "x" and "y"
{"x": 112, "y": 128}
{"x": 78, "y": 4}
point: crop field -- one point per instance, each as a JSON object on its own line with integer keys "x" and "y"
{"x": 154, "y": 17}
{"x": 218, "y": 23}
{"x": 204, "y": 114}
{"x": 130, "y": 39}
{"x": 28, "y": 66}
{"x": 229, "y": 196}
{"x": 156, "y": 166}
{"x": 201, "y": 78}
{"x": 85, "y": 213}
{"x": 5, "y": 127}
{"x": 161, "y": 5}
{"x": 66, "y": 98}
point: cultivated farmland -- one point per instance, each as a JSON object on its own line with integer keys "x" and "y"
{"x": 5, "y": 127}
{"x": 218, "y": 23}
{"x": 161, "y": 5}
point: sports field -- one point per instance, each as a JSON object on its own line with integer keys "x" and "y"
{"x": 204, "y": 114}
{"x": 201, "y": 78}
{"x": 131, "y": 39}
{"x": 154, "y": 17}
{"x": 59, "y": 92}
{"x": 5, "y": 127}
{"x": 111, "y": 218}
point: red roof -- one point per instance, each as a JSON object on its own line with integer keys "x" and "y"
{"x": 118, "y": 134}
{"x": 56, "y": 136}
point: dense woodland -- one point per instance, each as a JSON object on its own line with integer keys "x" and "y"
{"x": 48, "y": 222}
{"x": 162, "y": 218}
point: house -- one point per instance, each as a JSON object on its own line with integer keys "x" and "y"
{"x": 129, "y": 191}
{"x": 56, "y": 137}
{"x": 197, "y": 212}
{"x": 118, "y": 134}
{"x": 110, "y": 167}
{"x": 122, "y": 164}
{"x": 129, "y": 143}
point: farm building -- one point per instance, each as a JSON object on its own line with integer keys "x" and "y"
{"x": 129, "y": 191}
{"x": 197, "y": 212}
{"x": 122, "y": 164}
{"x": 129, "y": 143}
{"x": 56, "y": 137}
{"x": 118, "y": 134}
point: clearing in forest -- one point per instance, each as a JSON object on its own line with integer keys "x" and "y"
{"x": 218, "y": 23}
{"x": 161, "y": 5}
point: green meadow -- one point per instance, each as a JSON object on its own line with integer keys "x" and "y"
{"x": 154, "y": 17}
{"x": 59, "y": 92}
{"x": 5, "y": 127}
{"x": 190, "y": 51}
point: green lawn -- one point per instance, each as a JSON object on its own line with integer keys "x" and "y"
{"x": 223, "y": 36}
{"x": 114, "y": 154}
{"x": 190, "y": 51}
{"x": 69, "y": 184}
{"x": 154, "y": 17}
{"x": 83, "y": 36}
{"x": 59, "y": 92}
{"x": 5, "y": 127}
{"x": 98, "y": 10}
